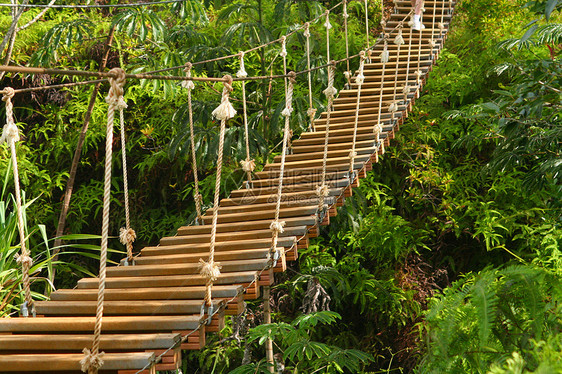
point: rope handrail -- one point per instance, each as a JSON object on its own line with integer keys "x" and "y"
{"x": 152, "y": 74}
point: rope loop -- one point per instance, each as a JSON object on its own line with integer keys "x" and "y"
{"x": 242, "y": 72}
{"x": 225, "y": 110}
{"x": 189, "y": 83}
{"x": 91, "y": 360}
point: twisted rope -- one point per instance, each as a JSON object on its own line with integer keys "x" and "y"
{"x": 10, "y": 135}
{"x": 359, "y": 79}
{"x": 384, "y": 59}
{"x": 406, "y": 88}
{"x": 419, "y": 72}
{"x": 126, "y": 234}
{"x": 311, "y": 110}
{"x": 276, "y": 226}
{"x": 92, "y": 360}
{"x": 322, "y": 191}
{"x": 367, "y": 22}
{"x": 328, "y": 26}
{"x": 441, "y": 25}
{"x": 209, "y": 269}
{"x": 248, "y": 165}
{"x": 347, "y": 72}
{"x": 189, "y": 85}
{"x": 398, "y": 40}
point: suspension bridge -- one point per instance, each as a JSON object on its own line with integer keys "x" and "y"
{"x": 160, "y": 302}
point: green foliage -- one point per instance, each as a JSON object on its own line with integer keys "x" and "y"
{"x": 300, "y": 352}
{"x": 484, "y": 318}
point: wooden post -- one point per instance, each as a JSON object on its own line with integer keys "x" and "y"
{"x": 267, "y": 320}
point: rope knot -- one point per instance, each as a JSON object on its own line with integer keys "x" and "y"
{"x": 277, "y": 227}
{"x": 198, "y": 197}
{"x": 323, "y": 190}
{"x": 188, "y": 83}
{"x": 127, "y": 235}
{"x": 292, "y": 77}
{"x": 393, "y": 107}
{"x": 432, "y": 43}
{"x": 399, "y": 39}
{"x": 441, "y": 26}
{"x": 311, "y": 112}
{"x": 91, "y": 360}
{"x": 24, "y": 260}
{"x": 8, "y": 93}
{"x": 242, "y": 72}
{"x": 378, "y": 128}
{"x": 225, "y": 110}
{"x": 10, "y": 132}
{"x": 385, "y": 55}
{"x": 115, "y": 96}
{"x": 283, "y": 52}
{"x": 352, "y": 155}
{"x": 306, "y": 32}
{"x": 327, "y": 24}
{"x": 209, "y": 270}
{"x": 248, "y": 165}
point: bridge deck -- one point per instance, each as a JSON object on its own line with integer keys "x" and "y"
{"x": 149, "y": 306}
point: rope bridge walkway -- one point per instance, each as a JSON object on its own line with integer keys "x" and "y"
{"x": 167, "y": 298}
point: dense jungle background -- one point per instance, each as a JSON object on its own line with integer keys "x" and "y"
{"x": 446, "y": 259}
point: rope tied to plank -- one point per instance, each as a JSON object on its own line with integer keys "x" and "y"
{"x": 276, "y": 226}
{"x": 126, "y": 234}
{"x": 384, "y": 59}
{"x": 197, "y": 197}
{"x": 92, "y": 360}
{"x": 10, "y": 135}
{"x": 399, "y": 41}
{"x": 359, "y": 79}
{"x": 248, "y": 165}
{"x": 210, "y": 270}
{"x": 322, "y": 190}
{"x": 311, "y": 112}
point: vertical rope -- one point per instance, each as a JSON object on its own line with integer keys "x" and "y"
{"x": 384, "y": 59}
{"x": 311, "y": 110}
{"x": 359, "y": 79}
{"x": 126, "y": 234}
{"x": 10, "y": 135}
{"x": 398, "y": 40}
{"x": 441, "y": 25}
{"x": 419, "y": 73}
{"x": 323, "y": 191}
{"x": 197, "y": 197}
{"x": 432, "y": 42}
{"x": 277, "y": 227}
{"x": 283, "y": 54}
{"x": 406, "y": 89}
{"x": 367, "y": 22}
{"x": 347, "y": 72}
{"x": 189, "y": 85}
{"x": 248, "y": 165}
{"x": 211, "y": 270}
{"x": 92, "y": 360}
{"x": 328, "y": 26}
